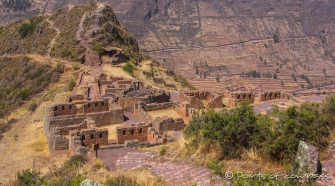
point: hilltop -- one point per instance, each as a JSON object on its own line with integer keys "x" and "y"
{"x": 85, "y": 35}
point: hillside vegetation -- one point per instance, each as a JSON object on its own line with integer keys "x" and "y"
{"x": 275, "y": 137}
{"x": 21, "y": 78}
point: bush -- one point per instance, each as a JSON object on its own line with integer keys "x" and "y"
{"x": 216, "y": 166}
{"x": 71, "y": 84}
{"x": 23, "y": 94}
{"x": 163, "y": 150}
{"x": 121, "y": 180}
{"x": 240, "y": 128}
{"x": 76, "y": 67}
{"x": 76, "y": 161}
{"x": 28, "y": 177}
{"x": 99, "y": 48}
{"x": 128, "y": 68}
{"x": 32, "y": 107}
{"x": 26, "y": 29}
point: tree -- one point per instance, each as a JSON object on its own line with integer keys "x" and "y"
{"x": 128, "y": 68}
{"x": 275, "y": 76}
{"x": 4, "y": 110}
{"x": 276, "y": 36}
{"x": 217, "y": 78}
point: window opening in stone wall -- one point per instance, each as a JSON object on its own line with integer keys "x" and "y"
{"x": 140, "y": 130}
{"x": 100, "y": 135}
{"x": 124, "y": 132}
{"x": 96, "y": 104}
{"x": 83, "y": 137}
{"x": 132, "y": 131}
{"x": 55, "y": 108}
{"x": 103, "y": 104}
{"x": 70, "y": 107}
{"x": 62, "y": 107}
{"x": 92, "y": 136}
{"x": 89, "y": 105}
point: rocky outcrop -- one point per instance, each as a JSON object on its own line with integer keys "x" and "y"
{"x": 307, "y": 160}
{"x": 88, "y": 182}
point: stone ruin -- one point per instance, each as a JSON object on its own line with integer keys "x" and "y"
{"x": 237, "y": 98}
{"x": 101, "y": 101}
{"x": 201, "y": 99}
{"x": 266, "y": 96}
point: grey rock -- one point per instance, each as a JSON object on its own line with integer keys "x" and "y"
{"x": 307, "y": 160}
{"x": 88, "y": 182}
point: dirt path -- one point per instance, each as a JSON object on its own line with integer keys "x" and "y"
{"x": 229, "y": 44}
{"x": 91, "y": 57}
{"x": 52, "y": 42}
{"x": 174, "y": 173}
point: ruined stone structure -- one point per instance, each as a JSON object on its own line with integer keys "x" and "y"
{"x": 201, "y": 99}
{"x": 138, "y": 131}
{"x": 266, "y": 96}
{"x": 115, "y": 54}
{"x": 100, "y": 101}
{"x": 166, "y": 124}
{"x": 145, "y": 95}
{"x": 236, "y": 98}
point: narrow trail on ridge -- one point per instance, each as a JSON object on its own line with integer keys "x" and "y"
{"x": 52, "y": 42}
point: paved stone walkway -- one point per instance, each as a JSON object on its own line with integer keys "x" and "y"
{"x": 172, "y": 172}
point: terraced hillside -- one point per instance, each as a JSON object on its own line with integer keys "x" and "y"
{"x": 237, "y": 35}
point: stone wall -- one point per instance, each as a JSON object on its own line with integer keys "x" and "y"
{"x": 158, "y": 106}
{"x": 63, "y": 121}
{"x": 167, "y": 124}
{"x": 96, "y": 106}
{"x": 138, "y": 131}
{"x": 154, "y": 136}
{"x": 76, "y": 97}
{"x": 65, "y": 130}
{"x": 266, "y": 96}
{"x": 93, "y": 136}
{"x": 236, "y": 98}
{"x": 194, "y": 102}
{"x": 143, "y": 115}
{"x": 196, "y": 98}
{"x": 214, "y": 100}
{"x": 60, "y": 143}
{"x": 64, "y": 109}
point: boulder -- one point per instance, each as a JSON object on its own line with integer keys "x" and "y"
{"x": 88, "y": 182}
{"x": 331, "y": 148}
{"x": 307, "y": 160}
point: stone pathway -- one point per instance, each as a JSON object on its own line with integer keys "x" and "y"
{"x": 172, "y": 172}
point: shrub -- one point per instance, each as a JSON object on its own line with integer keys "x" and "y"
{"x": 76, "y": 67}
{"x": 28, "y": 177}
{"x": 216, "y": 166}
{"x": 26, "y": 29}
{"x": 99, "y": 48}
{"x": 128, "y": 68}
{"x": 71, "y": 84}
{"x": 163, "y": 150}
{"x": 23, "y": 94}
{"x": 32, "y": 107}
{"x": 121, "y": 180}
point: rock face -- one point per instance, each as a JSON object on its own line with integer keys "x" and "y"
{"x": 307, "y": 159}
{"x": 88, "y": 182}
{"x": 331, "y": 148}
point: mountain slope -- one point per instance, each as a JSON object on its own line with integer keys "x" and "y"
{"x": 232, "y": 36}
